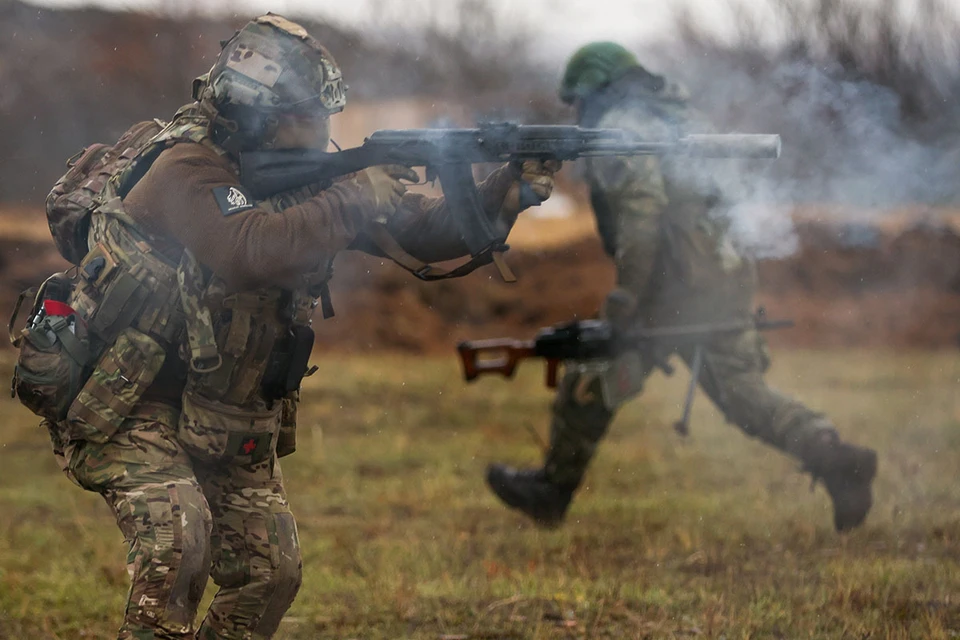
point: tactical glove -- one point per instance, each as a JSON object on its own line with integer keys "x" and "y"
{"x": 532, "y": 184}
{"x": 380, "y": 190}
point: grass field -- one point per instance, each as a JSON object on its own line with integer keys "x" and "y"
{"x": 714, "y": 537}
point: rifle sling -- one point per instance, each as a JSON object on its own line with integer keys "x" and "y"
{"x": 428, "y": 272}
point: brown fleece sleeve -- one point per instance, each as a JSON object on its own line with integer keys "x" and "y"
{"x": 248, "y": 249}
{"x": 425, "y": 228}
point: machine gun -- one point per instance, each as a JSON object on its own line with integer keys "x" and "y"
{"x": 599, "y": 340}
{"x": 449, "y": 154}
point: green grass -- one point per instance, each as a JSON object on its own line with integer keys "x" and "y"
{"x": 715, "y": 536}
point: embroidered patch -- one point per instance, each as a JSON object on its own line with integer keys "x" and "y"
{"x": 233, "y": 200}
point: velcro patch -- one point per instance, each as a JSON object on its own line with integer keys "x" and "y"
{"x": 233, "y": 200}
{"x": 254, "y": 445}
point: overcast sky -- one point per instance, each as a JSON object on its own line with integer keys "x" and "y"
{"x": 562, "y": 24}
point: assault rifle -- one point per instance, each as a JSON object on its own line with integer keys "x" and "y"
{"x": 448, "y": 154}
{"x": 599, "y": 340}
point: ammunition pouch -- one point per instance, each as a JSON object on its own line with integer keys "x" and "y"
{"x": 125, "y": 370}
{"x": 125, "y": 283}
{"x": 244, "y": 411}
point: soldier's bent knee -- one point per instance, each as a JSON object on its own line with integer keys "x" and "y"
{"x": 167, "y": 526}
{"x": 282, "y": 582}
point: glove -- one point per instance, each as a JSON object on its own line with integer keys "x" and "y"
{"x": 380, "y": 189}
{"x": 533, "y": 183}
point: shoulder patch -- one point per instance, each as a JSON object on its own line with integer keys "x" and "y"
{"x": 233, "y": 200}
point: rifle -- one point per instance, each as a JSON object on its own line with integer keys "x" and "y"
{"x": 585, "y": 340}
{"x": 448, "y": 154}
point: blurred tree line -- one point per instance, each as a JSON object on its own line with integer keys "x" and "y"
{"x": 865, "y": 94}
{"x": 72, "y": 77}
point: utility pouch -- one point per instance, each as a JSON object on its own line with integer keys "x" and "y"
{"x": 216, "y": 432}
{"x": 122, "y": 374}
{"x": 54, "y": 353}
{"x": 52, "y": 365}
{"x": 287, "y": 436}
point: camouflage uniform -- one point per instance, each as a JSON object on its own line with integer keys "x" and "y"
{"x": 176, "y": 516}
{"x": 662, "y": 221}
{"x": 668, "y": 239}
{"x": 197, "y": 289}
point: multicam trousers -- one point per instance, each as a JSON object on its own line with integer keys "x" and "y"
{"x": 183, "y": 522}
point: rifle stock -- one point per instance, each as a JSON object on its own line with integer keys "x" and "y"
{"x": 593, "y": 340}
{"x": 500, "y": 355}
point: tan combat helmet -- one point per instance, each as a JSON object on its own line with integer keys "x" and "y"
{"x": 272, "y": 66}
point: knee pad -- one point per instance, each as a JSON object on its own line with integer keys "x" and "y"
{"x": 282, "y": 581}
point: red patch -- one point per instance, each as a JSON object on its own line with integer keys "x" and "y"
{"x": 249, "y": 446}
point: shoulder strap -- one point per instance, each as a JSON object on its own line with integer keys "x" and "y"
{"x": 185, "y": 127}
{"x": 428, "y": 272}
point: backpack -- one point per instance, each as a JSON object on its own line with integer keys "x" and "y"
{"x": 78, "y": 192}
{"x": 56, "y": 356}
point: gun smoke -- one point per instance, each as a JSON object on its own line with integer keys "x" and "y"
{"x": 864, "y": 95}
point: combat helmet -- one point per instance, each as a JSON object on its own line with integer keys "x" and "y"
{"x": 270, "y": 67}
{"x": 593, "y": 67}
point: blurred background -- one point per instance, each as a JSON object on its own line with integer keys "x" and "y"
{"x": 854, "y": 225}
{"x": 856, "y": 229}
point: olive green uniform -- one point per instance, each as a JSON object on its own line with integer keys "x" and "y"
{"x": 662, "y": 221}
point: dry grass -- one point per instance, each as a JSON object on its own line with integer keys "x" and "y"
{"x": 714, "y": 537}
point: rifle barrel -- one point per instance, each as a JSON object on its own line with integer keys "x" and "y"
{"x": 700, "y": 330}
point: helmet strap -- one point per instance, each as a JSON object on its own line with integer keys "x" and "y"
{"x": 269, "y": 133}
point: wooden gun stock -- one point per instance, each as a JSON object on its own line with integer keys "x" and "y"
{"x": 500, "y": 355}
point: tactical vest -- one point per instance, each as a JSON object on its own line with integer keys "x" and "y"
{"x": 246, "y": 351}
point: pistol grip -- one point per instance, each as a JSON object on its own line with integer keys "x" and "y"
{"x": 552, "y": 366}
{"x": 468, "y": 358}
{"x": 528, "y": 197}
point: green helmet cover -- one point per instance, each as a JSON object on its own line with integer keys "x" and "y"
{"x": 593, "y": 67}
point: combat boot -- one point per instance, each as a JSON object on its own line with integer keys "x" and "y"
{"x": 529, "y": 491}
{"x": 847, "y": 471}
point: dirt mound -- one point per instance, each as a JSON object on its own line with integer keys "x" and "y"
{"x": 866, "y": 283}
{"x": 853, "y": 282}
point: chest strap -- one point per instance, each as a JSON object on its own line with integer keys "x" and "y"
{"x": 204, "y": 356}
